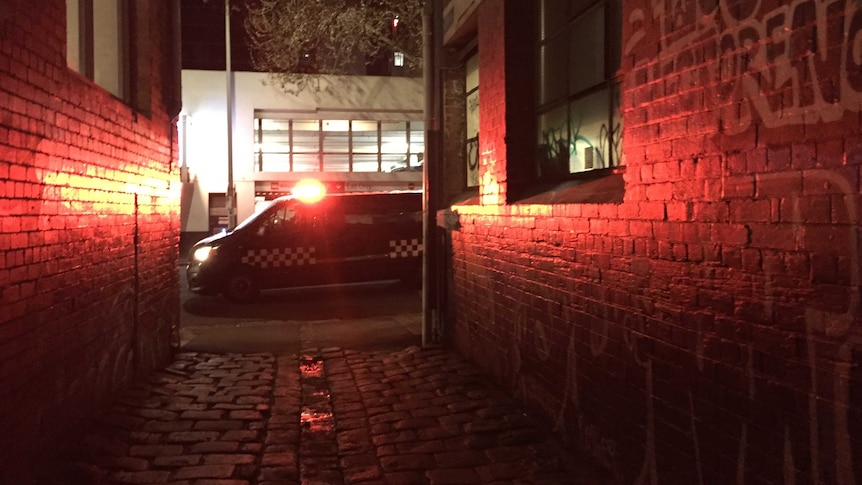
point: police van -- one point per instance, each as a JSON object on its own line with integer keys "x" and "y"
{"x": 310, "y": 240}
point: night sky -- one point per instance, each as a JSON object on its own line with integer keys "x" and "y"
{"x": 203, "y": 36}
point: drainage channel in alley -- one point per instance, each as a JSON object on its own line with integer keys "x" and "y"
{"x": 318, "y": 448}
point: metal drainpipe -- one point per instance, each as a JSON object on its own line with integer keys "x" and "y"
{"x": 431, "y": 171}
{"x": 136, "y": 242}
{"x": 231, "y": 190}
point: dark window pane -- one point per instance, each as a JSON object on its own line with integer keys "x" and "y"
{"x": 587, "y": 51}
{"x": 579, "y": 125}
{"x": 577, "y": 7}
{"x": 552, "y": 17}
{"x": 615, "y": 28}
{"x": 554, "y": 143}
{"x": 552, "y": 70}
{"x": 616, "y": 131}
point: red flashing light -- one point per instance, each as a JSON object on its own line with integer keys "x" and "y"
{"x": 309, "y": 190}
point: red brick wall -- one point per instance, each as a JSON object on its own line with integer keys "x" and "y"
{"x": 454, "y": 172}
{"x": 88, "y": 231}
{"x": 706, "y": 329}
{"x": 492, "y": 105}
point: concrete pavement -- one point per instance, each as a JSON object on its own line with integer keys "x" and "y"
{"x": 320, "y": 416}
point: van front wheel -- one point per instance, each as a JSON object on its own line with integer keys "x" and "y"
{"x": 240, "y": 287}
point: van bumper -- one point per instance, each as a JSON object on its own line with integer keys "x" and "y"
{"x": 198, "y": 279}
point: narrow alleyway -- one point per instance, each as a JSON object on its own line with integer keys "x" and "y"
{"x": 323, "y": 416}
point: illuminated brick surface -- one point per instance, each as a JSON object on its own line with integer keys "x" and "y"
{"x": 706, "y": 329}
{"x": 88, "y": 230}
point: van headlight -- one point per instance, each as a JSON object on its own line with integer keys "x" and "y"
{"x": 202, "y": 253}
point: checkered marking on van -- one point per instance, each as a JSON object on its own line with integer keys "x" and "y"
{"x": 404, "y": 248}
{"x": 278, "y": 257}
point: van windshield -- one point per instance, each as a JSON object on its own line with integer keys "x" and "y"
{"x": 257, "y": 215}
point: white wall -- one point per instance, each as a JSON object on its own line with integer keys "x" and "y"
{"x": 205, "y": 105}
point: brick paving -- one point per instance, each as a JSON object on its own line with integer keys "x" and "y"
{"x": 328, "y": 416}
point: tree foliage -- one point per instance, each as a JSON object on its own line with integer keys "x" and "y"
{"x": 294, "y": 38}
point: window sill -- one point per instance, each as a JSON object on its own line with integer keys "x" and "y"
{"x": 607, "y": 188}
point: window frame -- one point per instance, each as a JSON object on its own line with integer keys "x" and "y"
{"x": 549, "y": 168}
{"x": 124, "y": 69}
{"x": 354, "y": 153}
{"x": 471, "y": 140}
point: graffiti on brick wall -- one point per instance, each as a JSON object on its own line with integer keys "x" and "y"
{"x": 531, "y": 337}
{"x": 157, "y": 333}
{"x": 830, "y": 346}
{"x": 800, "y": 63}
{"x": 121, "y": 315}
{"x": 490, "y": 186}
{"x": 823, "y": 325}
{"x": 472, "y": 149}
{"x": 571, "y": 148}
{"x": 103, "y": 372}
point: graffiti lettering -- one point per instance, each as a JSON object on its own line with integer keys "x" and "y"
{"x": 473, "y": 162}
{"x": 832, "y": 344}
{"x": 792, "y": 49}
{"x": 560, "y": 148}
{"x": 831, "y": 325}
{"x": 490, "y": 193}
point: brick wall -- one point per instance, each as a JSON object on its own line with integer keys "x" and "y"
{"x": 492, "y": 105}
{"x": 454, "y": 173}
{"x": 88, "y": 231}
{"x": 706, "y": 329}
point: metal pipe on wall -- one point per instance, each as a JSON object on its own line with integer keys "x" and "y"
{"x": 231, "y": 190}
{"x": 431, "y": 262}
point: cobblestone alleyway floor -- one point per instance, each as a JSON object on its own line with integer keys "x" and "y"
{"x": 323, "y": 416}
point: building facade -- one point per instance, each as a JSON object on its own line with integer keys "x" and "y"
{"x": 355, "y": 133}
{"x": 89, "y": 200}
{"x": 662, "y": 254}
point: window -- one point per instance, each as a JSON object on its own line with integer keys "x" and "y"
{"x": 337, "y": 145}
{"x": 472, "y": 107}
{"x": 578, "y": 53}
{"x": 95, "y": 42}
{"x": 107, "y": 41}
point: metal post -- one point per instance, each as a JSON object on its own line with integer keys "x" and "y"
{"x": 431, "y": 171}
{"x": 231, "y": 190}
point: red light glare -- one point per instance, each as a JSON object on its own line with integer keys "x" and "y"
{"x": 309, "y": 190}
